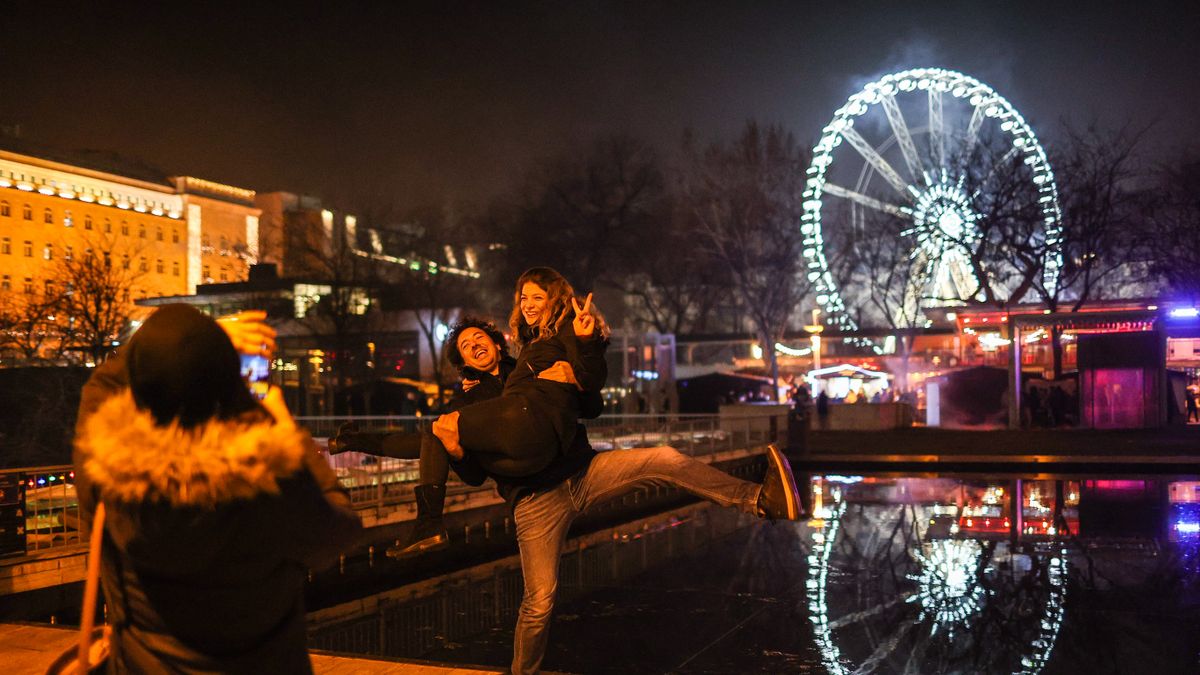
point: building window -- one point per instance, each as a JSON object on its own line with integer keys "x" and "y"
{"x": 5, "y": 283}
{"x": 48, "y": 217}
{"x": 224, "y": 244}
{"x": 141, "y": 230}
{"x": 48, "y": 288}
{"x": 124, "y": 228}
{"x": 107, "y": 226}
{"x": 175, "y": 268}
{"x": 48, "y": 252}
{"x": 224, "y": 273}
{"x": 124, "y": 261}
{"x": 174, "y": 236}
{"x": 159, "y": 267}
{"x": 87, "y": 222}
{"x": 27, "y": 212}
{"x": 125, "y": 297}
{"x": 159, "y": 233}
{"x": 4, "y": 210}
{"x": 107, "y": 260}
{"x": 28, "y": 285}
{"x": 6, "y": 246}
{"x": 68, "y": 254}
{"x": 205, "y": 245}
{"x": 28, "y": 249}
{"x": 205, "y": 274}
{"x": 68, "y": 221}
{"x": 142, "y": 265}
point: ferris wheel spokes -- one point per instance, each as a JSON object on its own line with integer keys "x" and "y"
{"x": 867, "y": 201}
{"x": 937, "y": 130}
{"x": 903, "y": 138}
{"x": 876, "y": 161}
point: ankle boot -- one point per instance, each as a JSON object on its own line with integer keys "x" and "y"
{"x": 428, "y": 533}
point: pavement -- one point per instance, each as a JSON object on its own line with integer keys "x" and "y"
{"x": 27, "y": 649}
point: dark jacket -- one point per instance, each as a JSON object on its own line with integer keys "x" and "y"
{"x": 587, "y": 360}
{"x": 209, "y": 534}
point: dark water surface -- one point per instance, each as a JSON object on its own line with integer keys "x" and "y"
{"x": 894, "y": 575}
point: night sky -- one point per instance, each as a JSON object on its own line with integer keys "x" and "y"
{"x": 455, "y": 100}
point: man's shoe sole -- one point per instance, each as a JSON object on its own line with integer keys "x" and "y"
{"x": 790, "y": 493}
{"x": 418, "y": 547}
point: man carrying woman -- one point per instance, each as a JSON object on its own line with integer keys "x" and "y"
{"x": 572, "y": 476}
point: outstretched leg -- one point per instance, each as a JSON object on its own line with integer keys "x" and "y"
{"x": 620, "y": 471}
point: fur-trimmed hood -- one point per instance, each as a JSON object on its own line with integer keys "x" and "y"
{"x": 132, "y": 460}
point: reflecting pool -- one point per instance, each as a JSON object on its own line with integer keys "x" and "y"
{"x": 893, "y": 574}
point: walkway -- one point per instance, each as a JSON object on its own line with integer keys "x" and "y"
{"x": 27, "y": 649}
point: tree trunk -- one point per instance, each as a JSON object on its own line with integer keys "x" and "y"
{"x": 1056, "y": 349}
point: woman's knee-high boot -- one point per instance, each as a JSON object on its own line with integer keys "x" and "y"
{"x": 428, "y": 532}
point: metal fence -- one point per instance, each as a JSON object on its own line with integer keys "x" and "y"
{"x": 46, "y": 510}
{"x": 51, "y": 510}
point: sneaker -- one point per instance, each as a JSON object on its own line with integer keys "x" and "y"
{"x": 779, "y": 499}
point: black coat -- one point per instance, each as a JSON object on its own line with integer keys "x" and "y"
{"x": 575, "y": 453}
{"x": 209, "y": 535}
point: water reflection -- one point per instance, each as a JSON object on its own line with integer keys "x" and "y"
{"x": 911, "y": 575}
{"x": 893, "y": 575}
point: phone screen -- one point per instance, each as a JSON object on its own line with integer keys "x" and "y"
{"x": 256, "y": 370}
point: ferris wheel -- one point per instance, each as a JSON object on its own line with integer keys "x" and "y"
{"x": 902, "y": 203}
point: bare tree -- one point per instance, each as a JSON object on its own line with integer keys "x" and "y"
{"x": 1102, "y": 203}
{"x": 892, "y": 281}
{"x": 432, "y": 287}
{"x": 1173, "y": 232}
{"x": 578, "y": 211}
{"x": 28, "y": 324}
{"x": 745, "y": 203}
{"x": 671, "y": 279}
{"x": 94, "y": 294}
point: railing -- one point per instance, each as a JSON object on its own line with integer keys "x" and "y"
{"x": 48, "y": 509}
{"x": 51, "y": 509}
{"x": 376, "y": 481}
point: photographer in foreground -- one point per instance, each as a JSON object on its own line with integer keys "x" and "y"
{"x": 217, "y": 503}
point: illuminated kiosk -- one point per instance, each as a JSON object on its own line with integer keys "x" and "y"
{"x": 908, "y": 174}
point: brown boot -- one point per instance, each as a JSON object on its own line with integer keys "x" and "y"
{"x": 779, "y": 499}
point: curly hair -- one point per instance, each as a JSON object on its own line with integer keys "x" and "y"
{"x": 489, "y": 329}
{"x": 558, "y": 305}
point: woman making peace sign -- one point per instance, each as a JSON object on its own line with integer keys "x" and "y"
{"x": 520, "y": 432}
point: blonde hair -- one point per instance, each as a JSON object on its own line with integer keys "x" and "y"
{"x": 558, "y": 305}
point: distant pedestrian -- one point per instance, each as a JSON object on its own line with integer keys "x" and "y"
{"x": 1191, "y": 394}
{"x": 823, "y": 410}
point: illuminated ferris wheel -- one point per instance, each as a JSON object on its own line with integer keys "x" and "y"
{"x": 911, "y": 196}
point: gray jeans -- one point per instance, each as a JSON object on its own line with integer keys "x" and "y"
{"x": 543, "y": 518}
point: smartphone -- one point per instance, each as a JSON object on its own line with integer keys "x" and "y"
{"x": 256, "y": 370}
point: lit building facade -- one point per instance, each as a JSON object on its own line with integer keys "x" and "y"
{"x": 174, "y": 234}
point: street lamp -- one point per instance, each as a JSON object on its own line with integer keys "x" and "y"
{"x": 815, "y": 329}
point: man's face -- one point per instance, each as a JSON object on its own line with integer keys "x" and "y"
{"x": 478, "y": 351}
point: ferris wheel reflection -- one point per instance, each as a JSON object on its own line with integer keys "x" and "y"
{"x": 930, "y": 575}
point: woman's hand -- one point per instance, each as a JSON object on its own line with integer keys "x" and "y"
{"x": 274, "y": 404}
{"x": 468, "y": 385}
{"x": 584, "y": 322}
{"x": 561, "y": 371}
{"x": 248, "y": 333}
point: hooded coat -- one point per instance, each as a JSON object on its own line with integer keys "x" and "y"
{"x": 209, "y": 534}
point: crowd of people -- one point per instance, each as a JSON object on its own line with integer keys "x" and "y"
{"x": 219, "y": 504}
